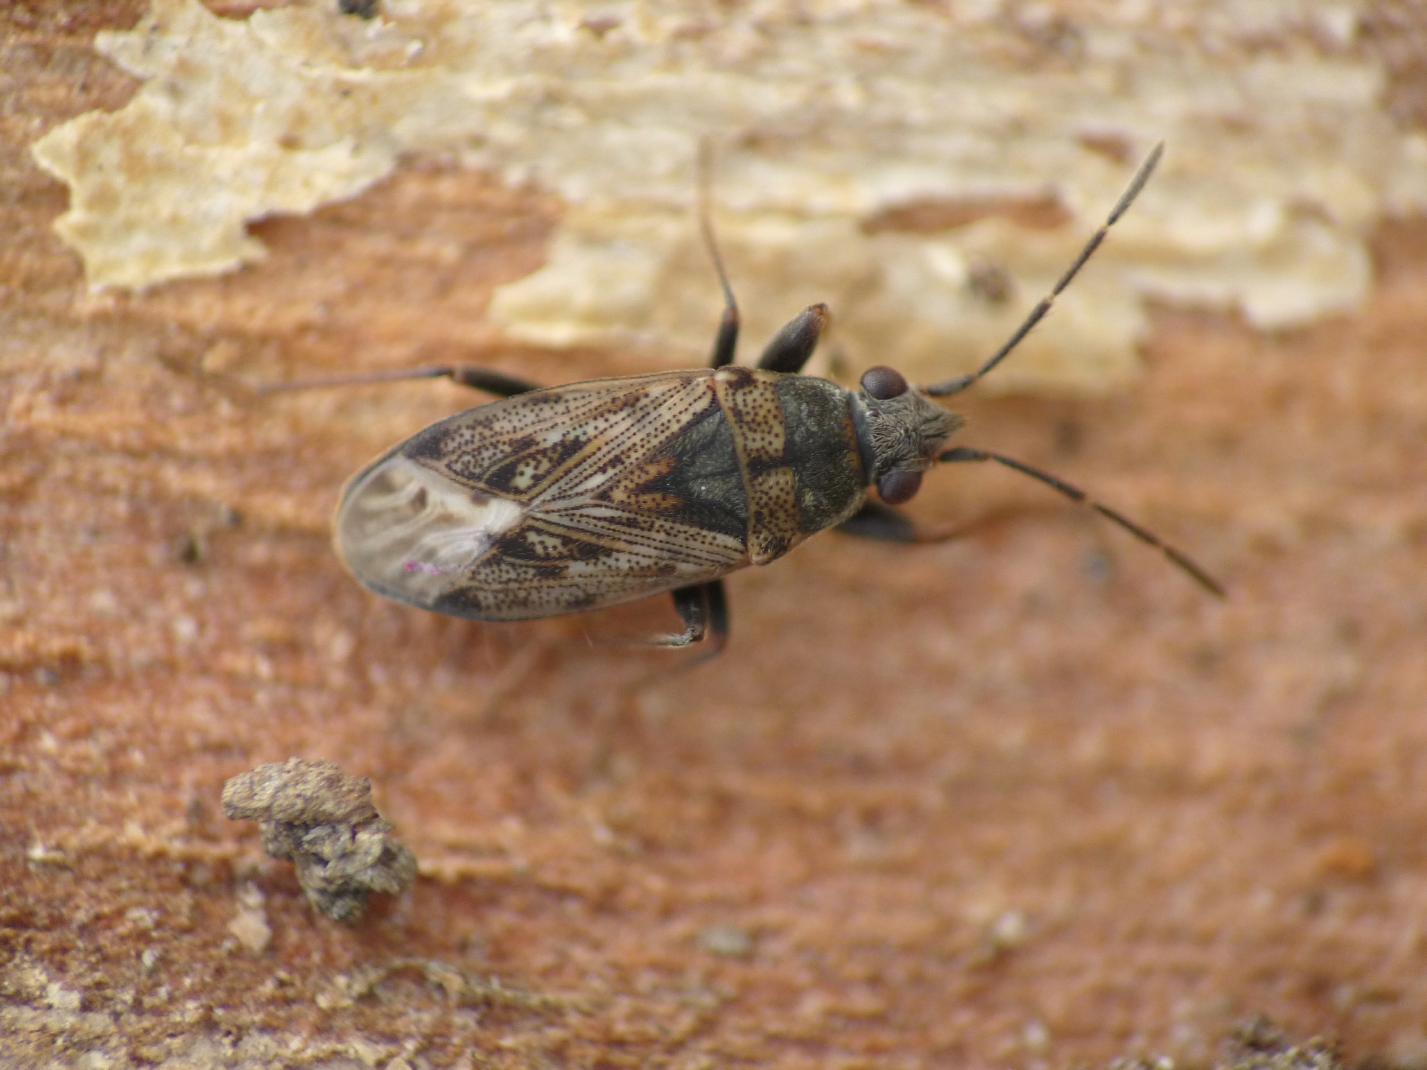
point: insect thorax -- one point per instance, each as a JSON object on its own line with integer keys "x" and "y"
{"x": 797, "y": 445}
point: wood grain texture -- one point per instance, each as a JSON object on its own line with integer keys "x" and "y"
{"x": 1024, "y": 797}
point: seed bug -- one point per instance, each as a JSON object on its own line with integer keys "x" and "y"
{"x": 569, "y": 498}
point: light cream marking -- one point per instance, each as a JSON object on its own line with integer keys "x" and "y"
{"x": 412, "y": 534}
{"x": 772, "y": 495}
{"x": 759, "y": 419}
{"x": 755, "y": 415}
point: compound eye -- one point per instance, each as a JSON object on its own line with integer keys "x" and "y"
{"x": 883, "y": 382}
{"x": 899, "y": 486}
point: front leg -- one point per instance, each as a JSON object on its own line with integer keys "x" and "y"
{"x": 878, "y": 521}
{"x": 794, "y": 344}
{"x": 883, "y": 523}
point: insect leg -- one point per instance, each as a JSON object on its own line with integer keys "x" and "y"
{"x": 794, "y": 344}
{"x": 505, "y": 386}
{"x": 881, "y": 522}
{"x": 704, "y": 611}
{"x": 465, "y": 374}
{"x": 790, "y": 348}
{"x": 1075, "y": 494}
{"x": 726, "y": 340}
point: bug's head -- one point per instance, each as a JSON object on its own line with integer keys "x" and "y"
{"x": 907, "y": 431}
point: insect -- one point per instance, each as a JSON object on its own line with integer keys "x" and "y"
{"x": 576, "y": 497}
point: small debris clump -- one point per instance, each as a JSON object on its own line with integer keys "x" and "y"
{"x": 1260, "y": 1045}
{"x": 1256, "y": 1045}
{"x": 324, "y": 821}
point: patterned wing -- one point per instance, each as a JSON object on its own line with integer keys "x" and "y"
{"x": 548, "y": 502}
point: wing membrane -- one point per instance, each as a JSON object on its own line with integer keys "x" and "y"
{"x": 543, "y": 503}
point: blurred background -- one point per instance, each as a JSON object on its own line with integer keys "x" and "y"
{"x": 1021, "y": 798}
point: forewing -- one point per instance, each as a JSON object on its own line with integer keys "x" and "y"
{"x": 544, "y": 503}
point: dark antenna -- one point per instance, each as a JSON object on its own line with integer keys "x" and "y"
{"x": 1177, "y": 557}
{"x": 961, "y": 382}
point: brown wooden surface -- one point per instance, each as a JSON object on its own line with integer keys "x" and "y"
{"x": 1026, "y": 798}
